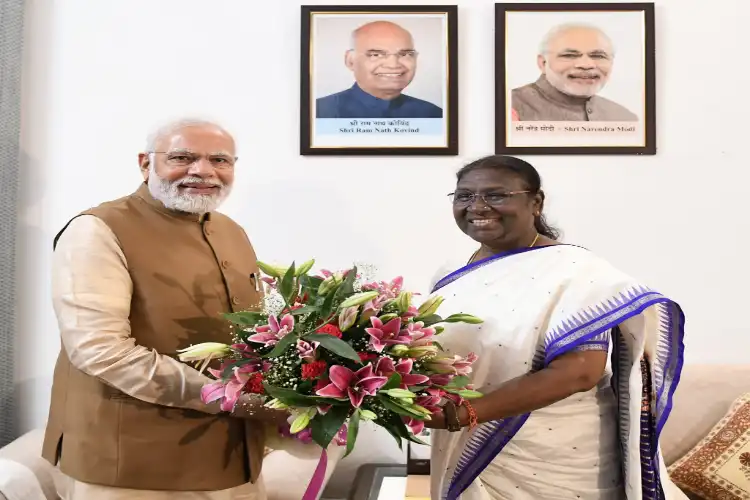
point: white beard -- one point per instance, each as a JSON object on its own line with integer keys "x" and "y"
{"x": 561, "y": 83}
{"x": 169, "y": 193}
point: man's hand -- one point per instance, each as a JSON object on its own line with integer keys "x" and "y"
{"x": 250, "y": 406}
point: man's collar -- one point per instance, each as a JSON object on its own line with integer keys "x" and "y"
{"x": 546, "y": 88}
{"x": 371, "y": 101}
{"x": 145, "y": 195}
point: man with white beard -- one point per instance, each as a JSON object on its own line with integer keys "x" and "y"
{"x": 133, "y": 281}
{"x": 576, "y": 62}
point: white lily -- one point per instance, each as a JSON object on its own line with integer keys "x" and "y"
{"x": 204, "y": 353}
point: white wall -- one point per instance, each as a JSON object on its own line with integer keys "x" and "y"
{"x": 100, "y": 74}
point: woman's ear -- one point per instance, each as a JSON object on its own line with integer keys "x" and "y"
{"x": 539, "y": 202}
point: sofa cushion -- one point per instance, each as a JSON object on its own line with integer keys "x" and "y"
{"x": 703, "y": 396}
{"x": 719, "y": 466}
{"x": 26, "y": 450}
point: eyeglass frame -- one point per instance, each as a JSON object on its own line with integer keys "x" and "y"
{"x": 197, "y": 158}
{"x": 474, "y": 196}
{"x": 399, "y": 55}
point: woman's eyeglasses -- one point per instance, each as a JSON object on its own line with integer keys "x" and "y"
{"x": 467, "y": 198}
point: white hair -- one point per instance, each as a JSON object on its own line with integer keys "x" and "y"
{"x": 173, "y": 126}
{"x": 562, "y": 28}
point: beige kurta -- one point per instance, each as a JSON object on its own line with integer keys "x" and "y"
{"x": 100, "y": 343}
{"x": 540, "y": 101}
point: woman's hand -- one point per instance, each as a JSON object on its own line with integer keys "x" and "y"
{"x": 569, "y": 374}
{"x": 437, "y": 421}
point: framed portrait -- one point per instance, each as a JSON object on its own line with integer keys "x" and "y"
{"x": 575, "y": 78}
{"x": 379, "y": 80}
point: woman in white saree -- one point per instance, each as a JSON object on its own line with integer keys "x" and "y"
{"x": 557, "y": 421}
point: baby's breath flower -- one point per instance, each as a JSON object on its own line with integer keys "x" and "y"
{"x": 273, "y": 303}
{"x": 366, "y": 274}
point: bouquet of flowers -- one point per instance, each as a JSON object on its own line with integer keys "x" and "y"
{"x": 334, "y": 350}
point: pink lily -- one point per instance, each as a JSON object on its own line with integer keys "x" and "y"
{"x": 415, "y": 426}
{"x": 305, "y": 435}
{"x": 353, "y": 385}
{"x": 441, "y": 378}
{"x": 431, "y": 400}
{"x": 341, "y": 435}
{"x": 229, "y": 392}
{"x": 386, "y": 368}
{"x": 455, "y": 365}
{"x": 306, "y": 350}
{"x": 387, "y": 290}
{"x": 390, "y": 333}
{"x": 274, "y": 331}
{"x": 372, "y": 307}
{"x": 410, "y": 313}
{"x": 269, "y": 281}
{"x": 420, "y": 336}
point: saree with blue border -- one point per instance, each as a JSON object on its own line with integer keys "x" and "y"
{"x": 538, "y": 304}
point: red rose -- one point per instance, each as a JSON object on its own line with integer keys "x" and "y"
{"x": 313, "y": 370}
{"x": 255, "y": 384}
{"x": 367, "y": 356}
{"x": 330, "y": 330}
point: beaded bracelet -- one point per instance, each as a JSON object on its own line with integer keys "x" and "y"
{"x": 473, "y": 421}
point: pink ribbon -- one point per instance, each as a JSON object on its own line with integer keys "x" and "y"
{"x": 316, "y": 483}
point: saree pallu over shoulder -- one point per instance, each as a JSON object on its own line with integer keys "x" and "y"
{"x": 584, "y": 301}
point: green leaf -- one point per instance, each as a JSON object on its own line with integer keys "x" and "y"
{"x": 414, "y": 439}
{"x": 400, "y": 427}
{"x": 306, "y": 266}
{"x": 351, "y": 435}
{"x": 290, "y": 397}
{"x": 283, "y": 344}
{"x": 269, "y": 269}
{"x": 325, "y": 427}
{"x": 459, "y": 382}
{"x": 246, "y": 318}
{"x": 393, "y": 432}
{"x": 432, "y": 319}
{"x": 397, "y": 407}
{"x": 358, "y": 299}
{"x": 302, "y": 421}
{"x": 303, "y": 310}
{"x": 393, "y": 382}
{"x": 367, "y": 414}
{"x": 468, "y": 394}
{"x": 287, "y": 289}
{"x": 398, "y": 393}
{"x": 347, "y": 287}
{"x": 310, "y": 284}
{"x": 327, "y": 306}
{"x": 395, "y": 427}
{"x": 335, "y": 345}
{"x": 463, "y": 318}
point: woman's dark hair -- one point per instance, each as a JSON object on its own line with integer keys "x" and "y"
{"x": 526, "y": 172}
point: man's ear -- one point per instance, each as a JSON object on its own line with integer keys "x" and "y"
{"x": 349, "y": 59}
{"x": 540, "y": 63}
{"x": 144, "y": 161}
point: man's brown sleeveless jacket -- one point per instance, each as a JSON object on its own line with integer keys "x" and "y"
{"x": 186, "y": 271}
